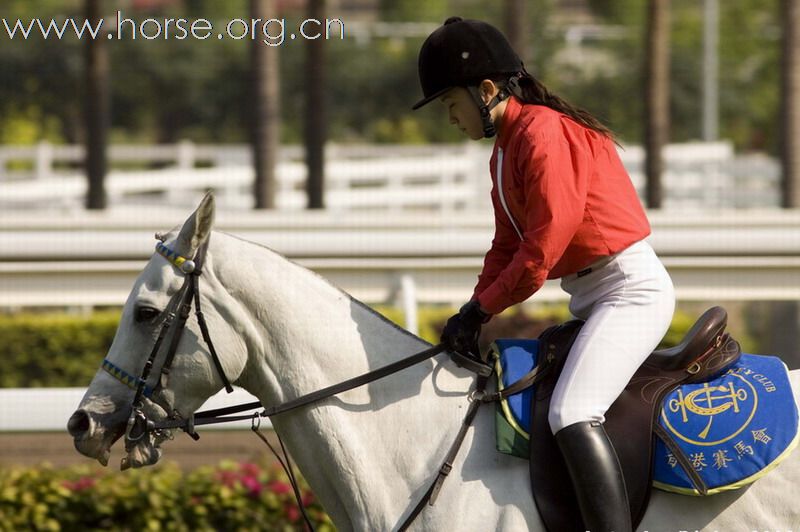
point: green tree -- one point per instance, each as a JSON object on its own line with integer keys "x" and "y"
{"x": 749, "y": 71}
{"x": 163, "y": 91}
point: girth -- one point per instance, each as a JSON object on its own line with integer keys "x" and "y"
{"x": 705, "y": 352}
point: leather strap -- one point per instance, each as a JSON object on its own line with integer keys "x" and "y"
{"x": 683, "y": 460}
{"x": 524, "y": 382}
{"x": 433, "y": 491}
{"x": 286, "y": 464}
{"x": 201, "y": 319}
{"x": 552, "y": 493}
{"x": 209, "y": 417}
{"x": 184, "y": 310}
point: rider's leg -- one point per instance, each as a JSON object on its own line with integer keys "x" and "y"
{"x": 596, "y": 476}
{"x": 628, "y": 305}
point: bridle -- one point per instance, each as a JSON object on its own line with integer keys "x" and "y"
{"x": 178, "y": 312}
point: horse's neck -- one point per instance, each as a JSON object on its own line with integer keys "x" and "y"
{"x": 365, "y": 451}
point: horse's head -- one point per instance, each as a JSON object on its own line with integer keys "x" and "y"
{"x": 158, "y": 366}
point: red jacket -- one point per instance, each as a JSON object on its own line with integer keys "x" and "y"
{"x": 562, "y": 200}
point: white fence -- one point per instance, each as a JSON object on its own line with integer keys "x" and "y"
{"x": 444, "y": 177}
{"x": 357, "y": 177}
{"x": 89, "y": 259}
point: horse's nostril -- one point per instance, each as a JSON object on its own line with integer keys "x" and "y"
{"x": 79, "y": 423}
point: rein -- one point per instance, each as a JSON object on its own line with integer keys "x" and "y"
{"x": 222, "y": 415}
{"x": 179, "y": 310}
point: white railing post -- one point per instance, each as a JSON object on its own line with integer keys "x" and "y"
{"x": 185, "y": 155}
{"x": 43, "y": 165}
{"x": 447, "y": 183}
{"x": 478, "y": 175}
{"x": 408, "y": 295}
{"x": 394, "y": 187}
{"x": 184, "y": 161}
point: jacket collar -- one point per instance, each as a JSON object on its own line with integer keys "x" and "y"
{"x": 510, "y": 117}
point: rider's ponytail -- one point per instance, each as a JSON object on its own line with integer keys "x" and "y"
{"x": 533, "y": 91}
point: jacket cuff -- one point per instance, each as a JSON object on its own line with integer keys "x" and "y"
{"x": 492, "y": 301}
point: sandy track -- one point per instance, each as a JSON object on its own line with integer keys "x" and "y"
{"x": 25, "y": 449}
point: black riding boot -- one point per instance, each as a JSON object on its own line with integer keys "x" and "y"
{"x": 596, "y": 477}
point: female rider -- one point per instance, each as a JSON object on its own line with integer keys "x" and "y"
{"x": 564, "y": 208}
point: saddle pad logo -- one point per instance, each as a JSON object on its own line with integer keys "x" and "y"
{"x": 712, "y": 413}
{"x": 731, "y": 430}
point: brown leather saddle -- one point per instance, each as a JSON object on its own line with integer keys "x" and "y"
{"x": 706, "y": 351}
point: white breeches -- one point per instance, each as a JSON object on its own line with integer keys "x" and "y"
{"x": 627, "y": 304}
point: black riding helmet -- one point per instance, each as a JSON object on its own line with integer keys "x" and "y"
{"x": 462, "y": 53}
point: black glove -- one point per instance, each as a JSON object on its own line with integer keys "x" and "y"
{"x": 462, "y": 330}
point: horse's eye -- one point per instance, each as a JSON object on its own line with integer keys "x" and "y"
{"x": 144, "y": 314}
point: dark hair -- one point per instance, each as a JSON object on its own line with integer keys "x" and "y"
{"x": 533, "y": 91}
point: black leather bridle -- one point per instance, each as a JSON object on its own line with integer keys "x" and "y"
{"x": 178, "y": 311}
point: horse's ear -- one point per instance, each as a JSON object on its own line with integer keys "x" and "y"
{"x": 197, "y": 227}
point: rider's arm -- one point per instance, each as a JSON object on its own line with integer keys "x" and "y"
{"x": 555, "y": 176}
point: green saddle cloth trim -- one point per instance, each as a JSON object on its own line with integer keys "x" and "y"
{"x": 511, "y": 437}
{"x": 509, "y": 440}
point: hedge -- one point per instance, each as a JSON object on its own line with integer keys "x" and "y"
{"x": 230, "y": 496}
{"x": 55, "y": 350}
{"x": 63, "y": 350}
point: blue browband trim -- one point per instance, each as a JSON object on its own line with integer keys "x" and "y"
{"x": 124, "y": 377}
{"x": 184, "y": 264}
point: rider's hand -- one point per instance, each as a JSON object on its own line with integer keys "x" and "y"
{"x": 463, "y": 329}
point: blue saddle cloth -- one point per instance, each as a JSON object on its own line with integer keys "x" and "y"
{"x": 734, "y": 429}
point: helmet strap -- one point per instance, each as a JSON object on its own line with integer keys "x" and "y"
{"x": 485, "y": 109}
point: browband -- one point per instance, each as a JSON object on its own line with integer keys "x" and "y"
{"x": 184, "y": 264}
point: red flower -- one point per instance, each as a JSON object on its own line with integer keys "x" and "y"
{"x": 308, "y": 498}
{"x": 251, "y": 469}
{"x": 83, "y": 483}
{"x": 281, "y": 488}
{"x": 252, "y": 485}
{"x": 228, "y": 478}
{"x": 292, "y": 513}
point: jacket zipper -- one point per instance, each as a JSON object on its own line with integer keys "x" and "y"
{"x": 502, "y": 194}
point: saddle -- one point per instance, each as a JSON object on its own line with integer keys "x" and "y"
{"x": 631, "y": 422}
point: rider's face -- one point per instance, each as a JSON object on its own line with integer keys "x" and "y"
{"x": 463, "y": 112}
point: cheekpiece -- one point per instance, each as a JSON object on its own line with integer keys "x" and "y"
{"x": 182, "y": 263}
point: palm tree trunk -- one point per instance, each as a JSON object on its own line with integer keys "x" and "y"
{"x": 97, "y": 112}
{"x": 656, "y": 98}
{"x": 515, "y": 26}
{"x": 790, "y": 104}
{"x": 315, "y": 111}
{"x": 265, "y": 92}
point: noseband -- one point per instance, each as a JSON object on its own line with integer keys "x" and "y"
{"x": 178, "y": 311}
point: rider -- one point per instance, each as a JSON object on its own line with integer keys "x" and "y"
{"x": 564, "y": 208}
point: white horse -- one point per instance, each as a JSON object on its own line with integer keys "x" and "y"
{"x": 371, "y": 453}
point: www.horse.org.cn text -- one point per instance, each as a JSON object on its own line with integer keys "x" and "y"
{"x": 270, "y": 31}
